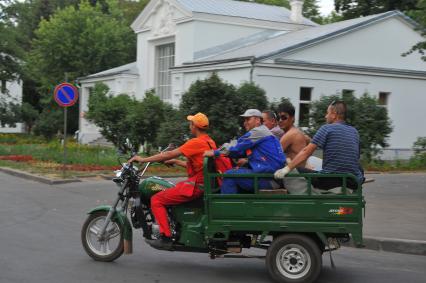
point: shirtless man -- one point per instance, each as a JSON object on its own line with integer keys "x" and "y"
{"x": 294, "y": 140}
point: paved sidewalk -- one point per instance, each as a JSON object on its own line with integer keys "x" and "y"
{"x": 396, "y": 206}
{"x": 396, "y": 213}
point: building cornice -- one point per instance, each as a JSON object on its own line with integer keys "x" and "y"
{"x": 213, "y": 66}
{"x": 346, "y": 68}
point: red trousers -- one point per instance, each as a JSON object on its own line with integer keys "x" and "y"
{"x": 183, "y": 192}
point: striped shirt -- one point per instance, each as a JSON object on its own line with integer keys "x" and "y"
{"x": 340, "y": 144}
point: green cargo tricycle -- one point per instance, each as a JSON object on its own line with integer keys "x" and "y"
{"x": 295, "y": 230}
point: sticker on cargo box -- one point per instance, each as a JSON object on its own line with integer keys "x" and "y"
{"x": 342, "y": 211}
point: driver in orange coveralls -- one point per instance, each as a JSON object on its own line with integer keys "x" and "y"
{"x": 184, "y": 191}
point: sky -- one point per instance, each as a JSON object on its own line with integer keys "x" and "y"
{"x": 326, "y": 6}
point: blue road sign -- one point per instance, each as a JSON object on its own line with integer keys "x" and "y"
{"x": 65, "y": 94}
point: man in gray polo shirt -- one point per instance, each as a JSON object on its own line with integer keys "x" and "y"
{"x": 340, "y": 144}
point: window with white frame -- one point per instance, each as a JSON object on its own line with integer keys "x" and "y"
{"x": 383, "y": 98}
{"x": 165, "y": 59}
{"x": 304, "y": 105}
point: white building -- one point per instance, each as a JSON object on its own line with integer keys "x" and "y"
{"x": 180, "y": 41}
{"x": 11, "y": 91}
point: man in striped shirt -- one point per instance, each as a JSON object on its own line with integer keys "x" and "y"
{"x": 340, "y": 145}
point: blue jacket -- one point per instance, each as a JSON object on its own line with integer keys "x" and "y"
{"x": 262, "y": 148}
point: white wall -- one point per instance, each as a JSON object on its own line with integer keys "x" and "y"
{"x": 14, "y": 95}
{"x": 378, "y": 45}
{"x": 406, "y": 101}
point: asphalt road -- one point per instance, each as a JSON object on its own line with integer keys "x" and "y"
{"x": 40, "y": 242}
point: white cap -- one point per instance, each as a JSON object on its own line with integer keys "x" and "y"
{"x": 252, "y": 113}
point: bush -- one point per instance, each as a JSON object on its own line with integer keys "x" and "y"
{"x": 123, "y": 117}
{"x": 222, "y": 103}
{"x": 370, "y": 119}
{"x": 49, "y": 123}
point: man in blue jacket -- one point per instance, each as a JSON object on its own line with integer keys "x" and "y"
{"x": 262, "y": 150}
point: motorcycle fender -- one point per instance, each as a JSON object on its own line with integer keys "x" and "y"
{"x": 118, "y": 217}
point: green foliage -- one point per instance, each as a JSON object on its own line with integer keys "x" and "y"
{"x": 351, "y": 9}
{"x": 49, "y": 123}
{"x": 252, "y": 96}
{"x": 419, "y": 145}
{"x": 146, "y": 118}
{"x": 10, "y": 50}
{"x": 274, "y": 106}
{"x": 419, "y": 15}
{"x": 218, "y": 100}
{"x": 370, "y": 119}
{"x": 9, "y": 113}
{"x": 52, "y": 151}
{"x": 174, "y": 129}
{"x": 79, "y": 42}
{"x": 29, "y": 115}
{"x": 419, "y": 159}
{"x": 333, "y": 17}
{"x": 311, "y": 11}
{"x": 111, "y": 114}
{"x": 221, "y": 102}
{"x": 19, "y": 139}
{"x": 122, "y": 117}
{"x": 310, "y": 8}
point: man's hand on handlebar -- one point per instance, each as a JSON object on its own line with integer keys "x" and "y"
{"x": 136, "y": 159}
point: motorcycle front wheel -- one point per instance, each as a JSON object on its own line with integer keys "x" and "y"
{"x": 106, "y": 248}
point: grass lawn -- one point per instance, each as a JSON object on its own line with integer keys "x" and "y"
{"x": 46, "y": 158}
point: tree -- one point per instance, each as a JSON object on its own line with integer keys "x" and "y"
{"x": 252, "y": 96}
{"x": 49, "y": 123}
{"x": 173, "y": 129}
{"x": 351, "y": 9}
{"x": 310, "y": 7}
{"x": 28, "y": 115}
{"x": 79, "y": 42}
{"x": 419, "y": 15}
{"x": 111, "y": 114}
{"x": 219, "y": 101}
{"x": 76, "y": 42}
{"x": 370, "y": 119}
{"x": 10, "y": 50}
{"x": 311, "y": 11}
{"x": 9, "y": 113}
{"x": 123, "y": 117}
{"x": 147, "y": 117}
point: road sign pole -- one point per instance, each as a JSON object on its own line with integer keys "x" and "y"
{"x": 65, "y": 141}
{"x": 65, "y": 95}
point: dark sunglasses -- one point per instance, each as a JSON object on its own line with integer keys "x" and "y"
{"x": 283, "y": 117}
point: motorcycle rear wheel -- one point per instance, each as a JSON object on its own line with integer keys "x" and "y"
{"x": 107, "y": 249}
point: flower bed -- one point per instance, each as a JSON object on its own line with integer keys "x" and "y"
{"x": 17, "y": 158}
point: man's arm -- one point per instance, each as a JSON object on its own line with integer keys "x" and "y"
{"x": 286, "y": 141}
{"x": 158, "y": 157}
{"x": 300, "y": 158}
{"x": 175, "y": 162}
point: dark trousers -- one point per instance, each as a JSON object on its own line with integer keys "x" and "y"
{"x": 327, "y": 183}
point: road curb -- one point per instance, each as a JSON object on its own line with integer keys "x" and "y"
{"x": 404, "y": 246}
{"x": 37, "y": 178}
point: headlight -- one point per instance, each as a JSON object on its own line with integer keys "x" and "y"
{"x": 118, "y": 173}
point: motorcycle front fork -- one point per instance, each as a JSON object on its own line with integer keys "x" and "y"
{"x": 112, "y": 210}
